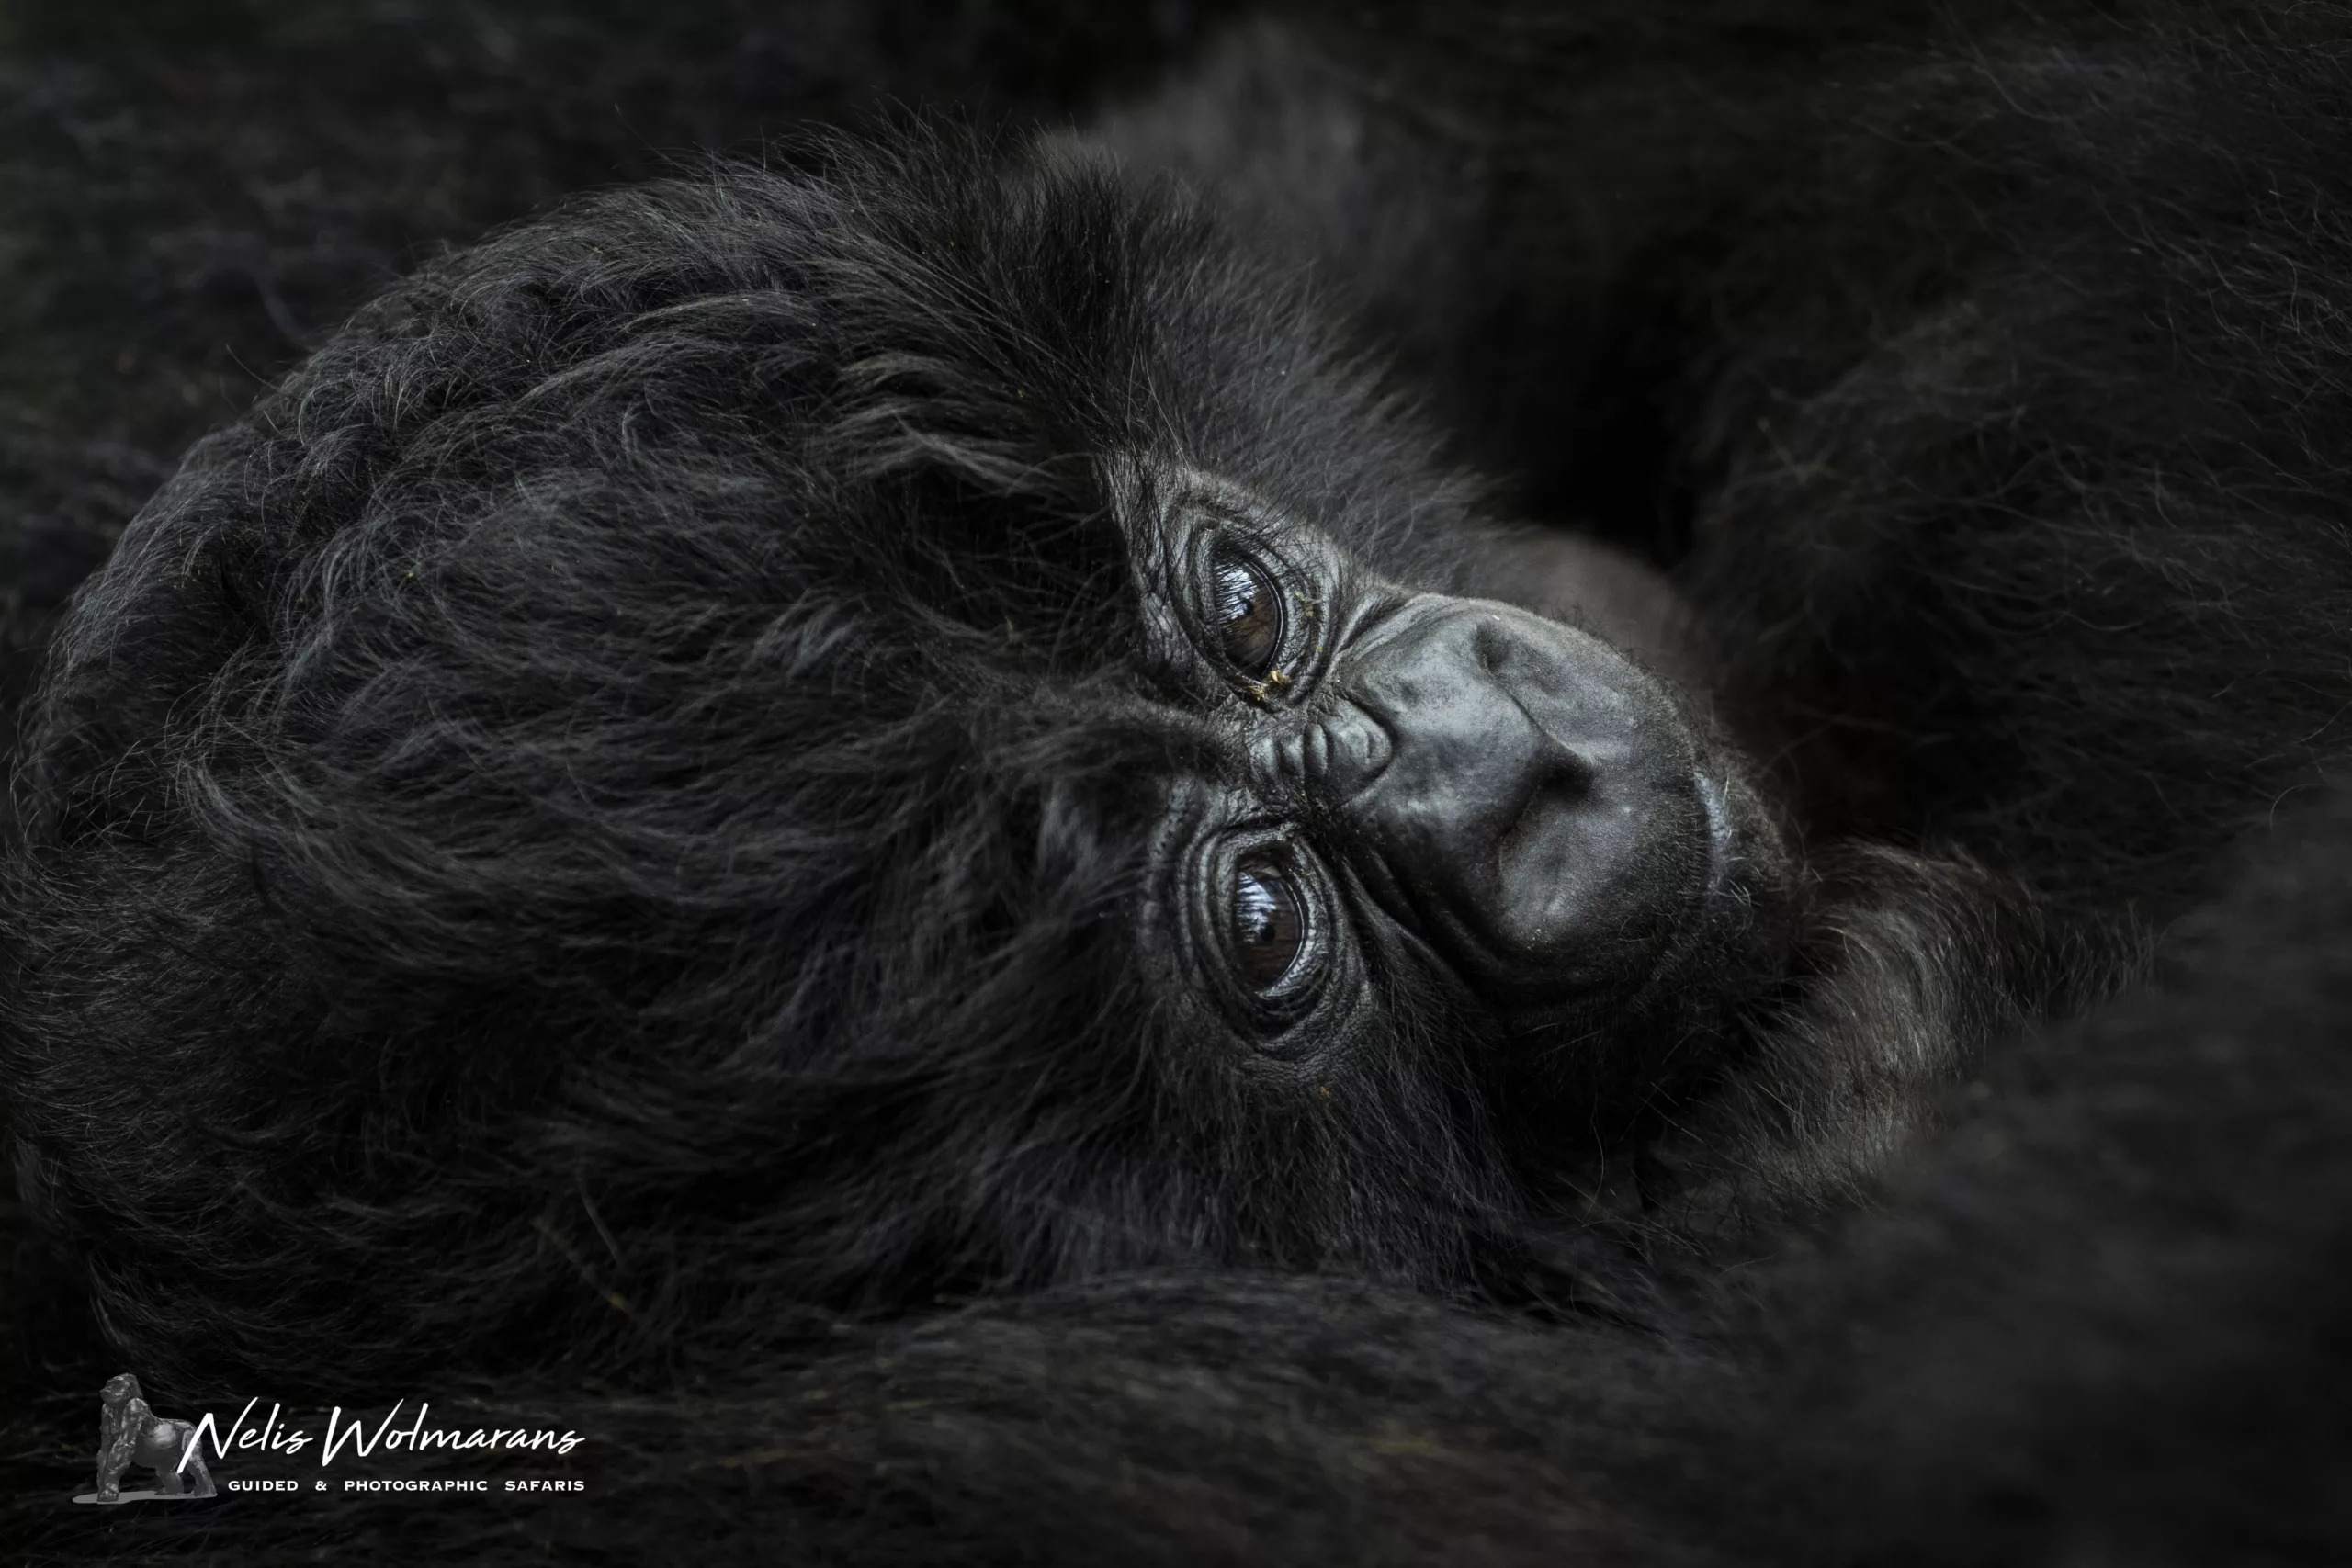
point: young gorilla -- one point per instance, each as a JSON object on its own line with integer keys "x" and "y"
{"x": 768, "y": 745}
{"x": 774, "y": 745}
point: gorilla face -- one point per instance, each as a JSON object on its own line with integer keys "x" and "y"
{"x": 686, "y": 759}
{"x": 1418, "y": 782}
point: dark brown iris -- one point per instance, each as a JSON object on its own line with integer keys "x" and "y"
{"x": 1269, "y": 923}
{"x": 1246, "y": 613}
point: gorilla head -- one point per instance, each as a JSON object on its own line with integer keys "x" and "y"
{"x": 780, "y": 744}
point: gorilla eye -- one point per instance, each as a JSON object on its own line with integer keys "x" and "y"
{"x": 1244, "y": 611}
{"x": 1270, "y": 924}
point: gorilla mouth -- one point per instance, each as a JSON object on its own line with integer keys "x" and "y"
{"x": 1728, "y": 915}
{"x": 1710, "y": 893}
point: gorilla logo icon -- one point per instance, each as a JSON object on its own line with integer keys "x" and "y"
{"x": 130, "y": 1433}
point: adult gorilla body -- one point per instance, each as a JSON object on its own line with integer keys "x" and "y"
{"x": 486, "y": 791}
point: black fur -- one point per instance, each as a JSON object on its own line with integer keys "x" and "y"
{"x": 2100, "y": 1321}
{"x": 507, "y": 892}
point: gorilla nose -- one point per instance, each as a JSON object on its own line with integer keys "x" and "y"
{"x": 1482, "y": 733}
{"x": 1533, "y": 797}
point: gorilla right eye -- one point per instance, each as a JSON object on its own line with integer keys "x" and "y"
{"x": 1246, "y": 615}
{"x": 1270, "y": 924}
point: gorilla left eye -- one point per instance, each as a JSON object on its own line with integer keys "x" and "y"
{"x": 1277, "y": 935}
{"x": 1246, "y": 616}
{"x": 1270, "y": 924}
